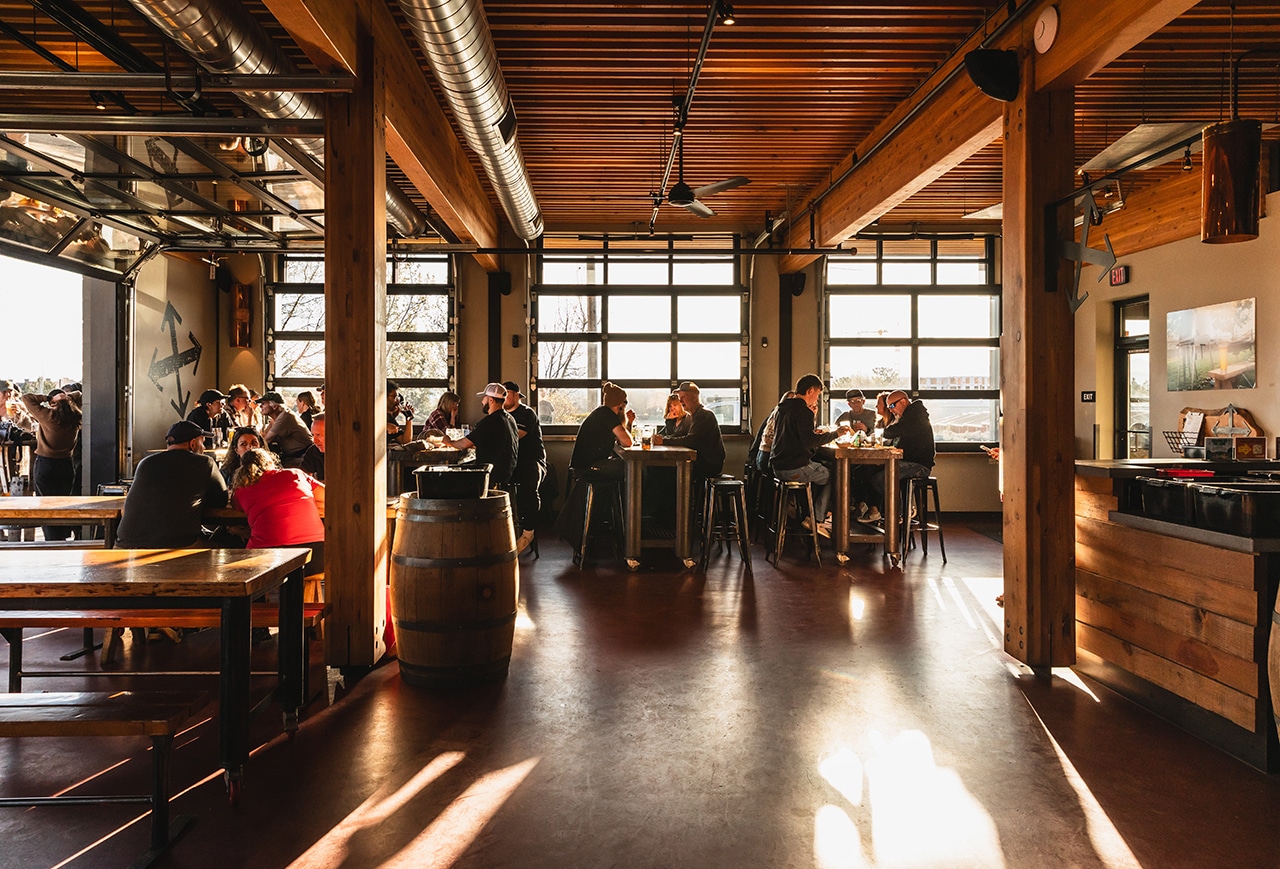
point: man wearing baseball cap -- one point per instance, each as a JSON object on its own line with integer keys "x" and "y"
{"x": 170, "y": 492}
{"x": 704, "y": 434}
{"x": 210, "y": 415}
{"x": 286, "y": 433}
{"x": 858, "y": 417}
{"x": 531, "y": 462}
{"x": 494, "y": 437}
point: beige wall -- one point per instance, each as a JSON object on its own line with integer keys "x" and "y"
{"x": 243, "y": 364}
{"x": 1185, "y": 274}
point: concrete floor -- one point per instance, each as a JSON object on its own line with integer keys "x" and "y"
{"x": 803, "y": 717}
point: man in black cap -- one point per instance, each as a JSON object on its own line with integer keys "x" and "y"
{"x": 531, "y": 462}
{"x": 494, "y": 438}
{"x": 210, "y": 416}
{"x": 858, "y": 417}
{"x": 285, "y": 433}
{"x": 170, "y": 491}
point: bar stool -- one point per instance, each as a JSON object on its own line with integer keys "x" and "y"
{"x": 766, "y": 492}
{"x": 610, "y": 489}
{"x": 918, "y": 489}
{"x": 784, "y": 493}
{"x": 724, "y": 515}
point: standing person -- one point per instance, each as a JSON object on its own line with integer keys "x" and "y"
{"x": 285, "y": 431}
{"x": 209, "y": 415}
{"x": 170, "y": 491}
{"x": 53, "y": 472}
{"x": 675, "y": 419}
{"x": 446, "y": 413}
{"x": 906, "y": 426}
{"x": 313, "y": 458}
{"x": 281, "y": 504}
{"x": 306, "y": 405}
{"x": 243, "y": 439}
{"x": 11, "y": 409}
{"x": 494, "y": 438}
{"x": 398, "y": 432}
{"x": 241, "y": 408}
{"x": 795, "y": 440}
{"x": 604, "y": 428}
{"x": 531, "y": 462}
{"x": 704, "y": 434}
{"x": 858, "y": 417}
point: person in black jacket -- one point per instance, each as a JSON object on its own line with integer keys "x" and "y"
{"x": 795, "y": 440}
{"x": 210, "y": 415}
{"x": 703, "y": 436}
{"x": 907, "y": 427}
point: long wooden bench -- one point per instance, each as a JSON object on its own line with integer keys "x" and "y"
{"x": 27, "y": 545}
{"x": 12, "y": 622}
{"x": 122, "y": 713}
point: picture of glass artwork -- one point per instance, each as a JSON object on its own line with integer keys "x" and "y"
{"x": 1212, "y": 347}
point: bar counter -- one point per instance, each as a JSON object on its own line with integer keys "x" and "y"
{"x": 1175, "y": 617}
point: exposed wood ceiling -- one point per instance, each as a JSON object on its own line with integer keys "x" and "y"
{"x": 783, "y": 98}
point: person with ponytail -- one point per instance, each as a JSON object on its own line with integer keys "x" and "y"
{"x": 282, "y": 505}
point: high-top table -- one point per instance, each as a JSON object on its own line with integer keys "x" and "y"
{"x": 841, "y": 536}
{"x": 637, "y": 459}
{"x": 224, "y": 579}
{"x": 101, "y": 510}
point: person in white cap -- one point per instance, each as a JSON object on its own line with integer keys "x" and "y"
{"x": 494, "y": 438}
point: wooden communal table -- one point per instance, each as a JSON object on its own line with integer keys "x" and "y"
{"x": 224, "y": 579}
{"x": 637, "y": 458}
{"x": 65, "y": 510}
{"x": 841, "y": 536}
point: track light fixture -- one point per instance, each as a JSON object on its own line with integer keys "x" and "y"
{"x": 724, "y": 13}
{"x": 1186, "y": 160}
{"x": 99, "y": 100}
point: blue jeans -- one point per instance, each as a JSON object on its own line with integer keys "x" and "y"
{"x": 817, "y": 475}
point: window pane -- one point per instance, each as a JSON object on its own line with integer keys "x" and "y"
{"x": 419, "y": 359}
{"x": 299, "y": 312}
{"x": 907, "y": 273}
{"x": 870, "y": 317}
{"x": 566, "y": 406}
{"x": 417, "y": 313}
{"x": 962, "y": 273}
{"x": 709, "y": 361}
{"x": 709, "y": 314}
{"x": 959, "y": 317}
{"x": 423, "y": 400}
{"x": 649, "y": 404}
{"x": 726, "y": 404}
{"x": 871, "y": 369}
{"x": 558, "y": 360}
{"x": 963, "y": 419}
{"x": 1135, "y": 319}
{"x": 578, "y": 272}
{"x": 639, "y": 360}
{"x": 303, "y": 271}
{"x": 639, "y": 314}
{"x": 299, "y": 359}
{"x": 851, "y": 272}
{"x": 418, "y": 271}
{"x": 704, "y": 274}
{"x": 639, "y": 271}
{"x": 959, "y": 368}
{"x": 574, "y": 314}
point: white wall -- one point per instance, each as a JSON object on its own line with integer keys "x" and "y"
{"x": 1178, "y": 276}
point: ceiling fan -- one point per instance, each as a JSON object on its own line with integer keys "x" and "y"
{"x": 690, "y": 198}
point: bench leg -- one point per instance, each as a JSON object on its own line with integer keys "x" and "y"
{"x": 291, "y": 650}
{"x": 13, "y": 636}
{"x": 163, "y": 834}
{"x": 233, "y": 699}
{"x": 87, "y": 648}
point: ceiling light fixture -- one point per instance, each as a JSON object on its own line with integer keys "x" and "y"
{"x": 99, "y": 100}
{"x": 1186, "y": 160}
{"x": 724, "y": 13}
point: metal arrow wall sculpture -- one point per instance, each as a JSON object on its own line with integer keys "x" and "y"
{"x": 176, "y": 361}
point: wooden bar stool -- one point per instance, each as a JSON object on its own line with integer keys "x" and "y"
{"x": 724, "y": 516}
{"x": 784, "y": 493}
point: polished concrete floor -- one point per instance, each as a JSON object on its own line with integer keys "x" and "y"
{"x": 802, "y": 716}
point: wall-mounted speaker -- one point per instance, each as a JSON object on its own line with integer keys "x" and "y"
{"x": 995, "y": 72}
{"x": 501, "y": 282}
{"x": 793, "y": 284}
{"x": 223, "y": 278}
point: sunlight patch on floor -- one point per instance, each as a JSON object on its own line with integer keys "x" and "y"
{"x": 1072, "y": 678}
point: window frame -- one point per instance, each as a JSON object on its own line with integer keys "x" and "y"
{"x": 914, "y": 342}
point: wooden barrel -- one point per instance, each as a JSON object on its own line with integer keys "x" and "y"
{"x": 1273, "y": 664}
{"x": 454, "y": 585}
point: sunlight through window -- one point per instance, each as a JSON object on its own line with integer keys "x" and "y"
{"x": 836, "y": 843}
{"x": 1071, "y": 677}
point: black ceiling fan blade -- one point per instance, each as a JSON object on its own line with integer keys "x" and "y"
{"x": 720, "y": 186}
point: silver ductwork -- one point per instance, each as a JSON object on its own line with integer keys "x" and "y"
{"x": 455, "y": 36}
{"x": 224, "y": 38}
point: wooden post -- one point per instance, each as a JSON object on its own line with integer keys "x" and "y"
{"x": 355, "y": 364}
{"x": 1037, "y": 379}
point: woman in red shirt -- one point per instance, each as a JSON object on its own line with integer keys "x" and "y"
{"x": 282, "y": 505}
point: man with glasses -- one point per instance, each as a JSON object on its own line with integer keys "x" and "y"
{"x": 906, "y": 426}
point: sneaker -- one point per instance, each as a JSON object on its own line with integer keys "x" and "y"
{"x": 807, "y": 525}
{"x": 861, "y": 511}
{"x": 873, "y": 515}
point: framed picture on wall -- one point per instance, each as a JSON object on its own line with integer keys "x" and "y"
{"x": 241, "y": 315}
{"x": 1212, "y": 347}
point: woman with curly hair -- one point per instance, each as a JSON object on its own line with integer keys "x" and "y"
{"x": 281, "y": 504}
{"x": 243, "y": 439}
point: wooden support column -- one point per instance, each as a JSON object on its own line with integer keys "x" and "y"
{"x": 1037, "y": 379}
{"x": 355, "y": 362}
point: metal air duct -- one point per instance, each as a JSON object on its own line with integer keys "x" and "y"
{"x": 455, "y": 36}
{"x": 224, "y": 38}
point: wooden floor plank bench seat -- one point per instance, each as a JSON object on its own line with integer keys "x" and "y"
{"x": 12, "y": 622}
{"x": 157, "y": 715}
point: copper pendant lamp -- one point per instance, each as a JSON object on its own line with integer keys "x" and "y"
{"x": 1231, "y": 182}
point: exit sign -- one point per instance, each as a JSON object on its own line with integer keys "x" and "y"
{"x": 1119, "y": 276}
{"x": 1089, "y": 397}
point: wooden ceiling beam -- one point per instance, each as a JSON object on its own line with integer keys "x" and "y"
{"x": 419, "y": 137}
{"x": 1092, "y": 33}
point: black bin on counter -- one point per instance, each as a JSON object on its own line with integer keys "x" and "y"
{"x": 1246, "y": 509}
{"x": 1170, "y": 500}
{"x": 449, "y": 482}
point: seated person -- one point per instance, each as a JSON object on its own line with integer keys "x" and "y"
{"x": 281, "y": 504}
{"x": 305, "y": 403}
{"x": 605, "y": 428}
{"x": 446, "y": 413}
{"x": 494, "y": 438}
{"x": 210, "y": 415}
{"x": 763, "y": 443}
{"x": 243, "y": 439}
{"x": 675, "y": 419}
{"x": 908, "y": 428}
{"x": 703, "y": 436}
{"x": 858, "y": 417}
{"x": 795, "y": 441}
{"x": 170, "y": 492}
{"x": 399, "y": 416}
{"x": 313, "y": 458}
{"x": 285, "y": 430}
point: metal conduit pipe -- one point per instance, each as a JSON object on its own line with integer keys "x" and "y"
{"x": 224, "y": 38}
{"x": 455, "y": 36}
